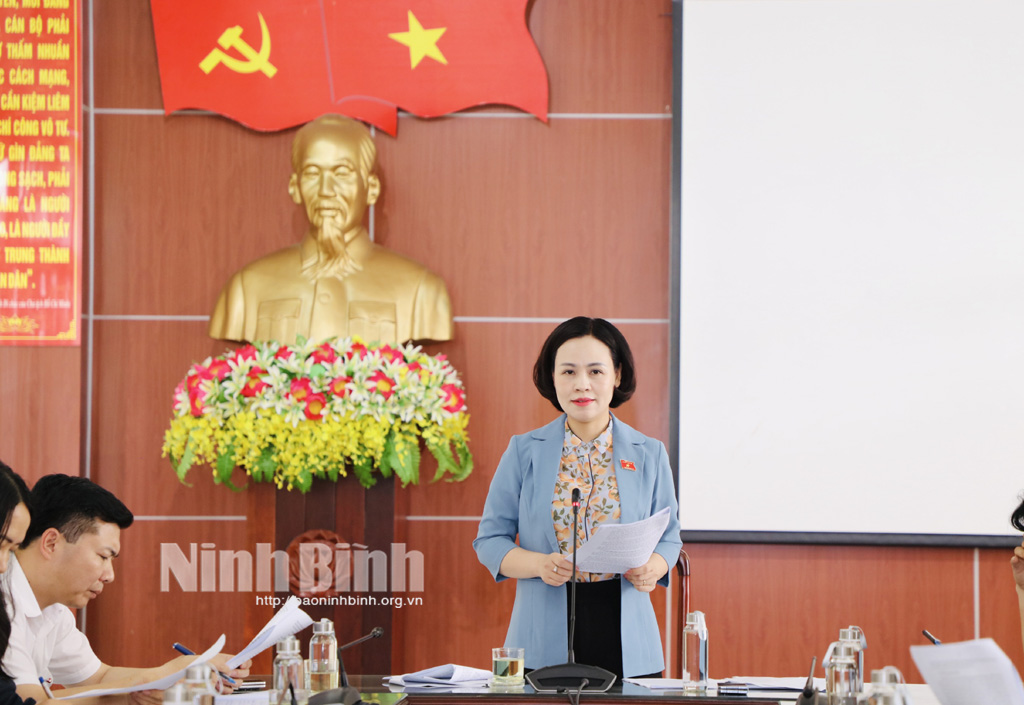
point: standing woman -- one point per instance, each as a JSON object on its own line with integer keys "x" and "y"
{"x": 14, "y": 519}
{"x": 585, "y": 369}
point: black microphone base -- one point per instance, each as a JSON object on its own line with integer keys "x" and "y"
{"x": 346, "y": 695}
{"x": 569, "y": 676}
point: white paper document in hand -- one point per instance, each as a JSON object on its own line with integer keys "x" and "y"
{"x": 969, "y": 672}
{"x": 289, "y": 620}
{"x": 159, "y": 684}
{"x": 615, "y": 548}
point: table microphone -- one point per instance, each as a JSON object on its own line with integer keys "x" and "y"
{"x": 345, "y": 694}
{"x": 571, "y": 675}
{"x": 809, "y": 695}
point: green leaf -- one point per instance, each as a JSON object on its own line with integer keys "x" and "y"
{"x": 265, "y": 467}
{"x": 407, "y": 461}
{"x": 363, "y": 468}
{"x": 304, "y": 481}
{"x": 224, "y": 465}
{"x": 388, "y": 459}
{"x": 465, "y": 461}
{"x": 445, "y": 459}
{"x": 187, "y": 459}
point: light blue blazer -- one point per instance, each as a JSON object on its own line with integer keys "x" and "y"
{"x": 519, "y": 503}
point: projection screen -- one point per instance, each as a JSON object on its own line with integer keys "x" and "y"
{"x": 852, "y": 270}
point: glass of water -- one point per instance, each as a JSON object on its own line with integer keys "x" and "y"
{"x": 507, "y": 665}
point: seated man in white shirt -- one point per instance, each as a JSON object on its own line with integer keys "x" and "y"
{"x": 64, "y": 562}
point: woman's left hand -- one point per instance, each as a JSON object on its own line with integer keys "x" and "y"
{"x": 646, "y": 577}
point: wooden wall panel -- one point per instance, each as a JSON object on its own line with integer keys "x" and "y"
{"x": 526, "y": 219}
{"x": 999, "y": 617}
{"x": 40, "y": 417}
{"x": 125, "y": 69}
{"x": 138, "y": 365}
{"x": 183, "y": 203}
{"x": 606, "y": 56}
{"x": 463, "y": 608}
{"x": 771, "y": 608}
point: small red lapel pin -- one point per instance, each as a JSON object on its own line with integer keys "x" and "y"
{"x": 627, "y": 465}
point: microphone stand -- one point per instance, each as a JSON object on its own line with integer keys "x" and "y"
{"x": 345, "y": 694}
{"x": 570, "y": 676}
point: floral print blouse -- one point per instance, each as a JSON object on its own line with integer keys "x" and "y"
{"x": 587, "y": 466}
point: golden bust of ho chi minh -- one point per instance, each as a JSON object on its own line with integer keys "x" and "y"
{"x": 336, "y": 282}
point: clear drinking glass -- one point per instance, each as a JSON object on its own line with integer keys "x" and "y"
{"x": 508, "y": 665}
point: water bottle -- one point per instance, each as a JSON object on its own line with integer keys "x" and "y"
{"x": 841, "y": 674}
{"x": 288, "y": 668}
{"x": 323, "y": 657}
{"x": 200, "y": 684}
{"x": 695, "y": 653}
{"x": 177, "y": 694}
{"x": 886, "y": 688}
{"x": 854, "y": 636}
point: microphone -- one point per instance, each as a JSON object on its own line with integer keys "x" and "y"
{"x": 344, "y": 694}
{"x": 570, "y": 676}
{"x": 809, "y": 695}
{"x": 572, "y": 601}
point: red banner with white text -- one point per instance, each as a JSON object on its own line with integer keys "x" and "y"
{"x": 272, "y": 64}
{"x": 40, "y": 172}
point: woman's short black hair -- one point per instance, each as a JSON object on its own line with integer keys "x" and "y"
{"x": 581, "y": 327}
{"x": 1018, "y": 516}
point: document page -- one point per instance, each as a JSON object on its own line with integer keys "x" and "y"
{"x": 159, "y": 684}
{"x": 448, "y": 675}
{"x": 289, "y": 620}
{"x": 969, "y": 672}
{"x": 615, "y": 548}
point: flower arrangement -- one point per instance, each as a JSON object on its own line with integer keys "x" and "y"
{"x": 287, "y": 414}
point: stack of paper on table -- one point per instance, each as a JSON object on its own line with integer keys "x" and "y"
{"x": 761, "y": 683}
{"x": 449, "y": 676}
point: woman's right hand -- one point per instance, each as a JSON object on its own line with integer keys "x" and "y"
{"x": 1017, "y": 563}
{"x": 555, "y": 570}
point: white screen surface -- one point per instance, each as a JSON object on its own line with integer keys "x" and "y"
{"x": 852, "y": 275}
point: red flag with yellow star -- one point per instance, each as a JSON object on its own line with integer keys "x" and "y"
{"x": 432, "y": 57}
{"x": 272, "y": 64}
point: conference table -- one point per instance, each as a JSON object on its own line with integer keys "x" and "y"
{"x": 374, "y": 691}
{"x": 620, "y": 694}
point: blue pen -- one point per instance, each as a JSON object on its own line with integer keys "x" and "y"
{"x": 189, "y": 652}
{"x": 46, "y": 687}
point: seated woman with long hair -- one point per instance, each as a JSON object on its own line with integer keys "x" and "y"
{"x": 14, "y": 520}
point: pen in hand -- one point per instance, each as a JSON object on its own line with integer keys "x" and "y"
{"x": 46, "y": 687}
{"x": 189, "y": 652}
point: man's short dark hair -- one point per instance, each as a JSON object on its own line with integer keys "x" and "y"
{"x": 581, "y": 327}
{"x": 73, "y": 506}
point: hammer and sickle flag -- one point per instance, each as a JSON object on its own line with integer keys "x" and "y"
{"x": 273, "y": 64}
